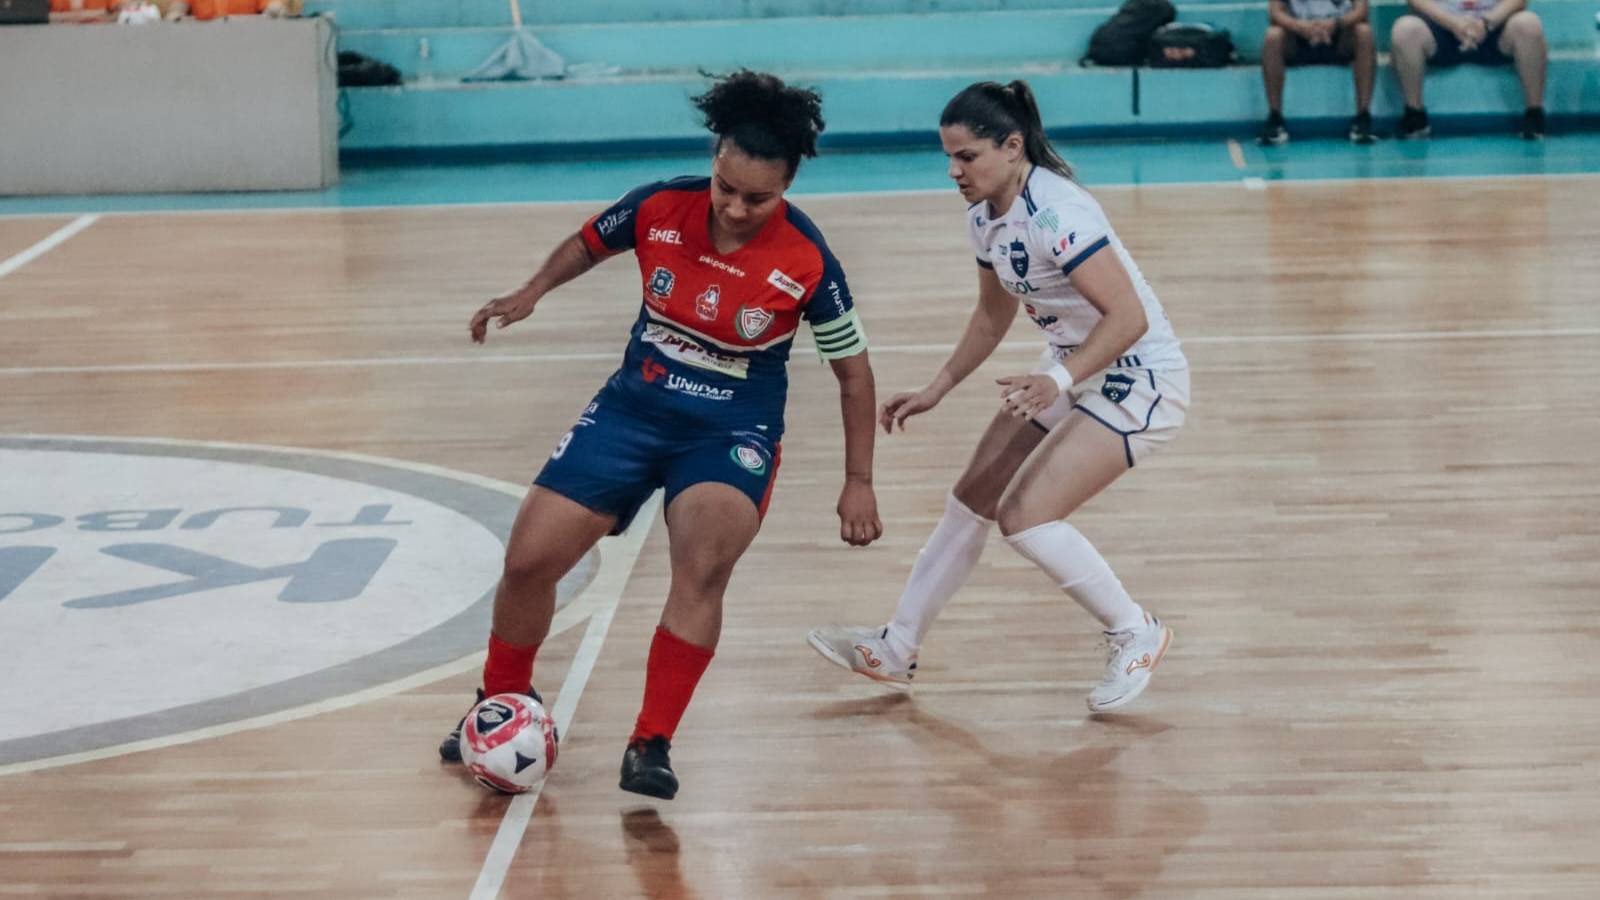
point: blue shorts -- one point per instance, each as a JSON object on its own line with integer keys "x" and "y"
{"x": 1449, "y": 52}
{"x": 613, "y": 459}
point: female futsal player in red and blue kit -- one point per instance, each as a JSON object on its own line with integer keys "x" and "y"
{"x": 729, "y": 270}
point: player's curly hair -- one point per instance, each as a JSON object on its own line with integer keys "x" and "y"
{"x": 763, "y": 116}
{"x": 995, "y": 111}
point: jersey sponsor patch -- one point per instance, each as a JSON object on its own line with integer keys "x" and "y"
{"x": 838, "y": 297}
{"x": 753, "y": 321}
{"x": 715, "y": 263}
{"x": 1062, "y": 244}
{"x": 690, "y": 353}
{"x": 786, "y": 284}
{"x": 612, "y": 222}
{"x": 682, "y": 385}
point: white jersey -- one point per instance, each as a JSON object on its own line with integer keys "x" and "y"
{"x": 1320, "y": 9}
{"x": 1472, "y": 9}
{"x": 1051, "y": 228}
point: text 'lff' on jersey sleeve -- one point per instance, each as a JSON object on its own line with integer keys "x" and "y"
{"x": 830, "y": 310}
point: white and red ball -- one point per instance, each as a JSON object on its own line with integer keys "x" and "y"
{"x": 508, "y": 743}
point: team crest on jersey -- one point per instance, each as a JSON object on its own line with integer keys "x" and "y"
{"x": 705, "y": 305}
{"x": 749, "y": 458}
{"x": 661, "y": 281}
{"x": 1019, "y": 259}
{"x": 752, "y": 322}
{"x": 1117, "y": 387}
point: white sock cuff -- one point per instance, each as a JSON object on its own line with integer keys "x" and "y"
{"x": 954, "y": 507}
{"x": 1023, "y": 537}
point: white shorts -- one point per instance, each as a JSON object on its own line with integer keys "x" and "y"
{"x": 1145, "y": 406}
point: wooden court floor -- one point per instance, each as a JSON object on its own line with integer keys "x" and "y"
{"x": 1378, "y": 540}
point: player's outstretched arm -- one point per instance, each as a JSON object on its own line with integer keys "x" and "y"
{"x": 859, "y": 524}
{"x": 567, "y": 261}
{"x": 997, "y": 308}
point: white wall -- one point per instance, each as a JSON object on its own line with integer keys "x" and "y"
{"x": 228, "y": 105}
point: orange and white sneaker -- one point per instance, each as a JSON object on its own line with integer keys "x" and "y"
{"x": 863, "y": 651}
{"x": 1131, "y": 656}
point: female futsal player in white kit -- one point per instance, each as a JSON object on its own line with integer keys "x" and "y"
{"x": 1111, "y": 387}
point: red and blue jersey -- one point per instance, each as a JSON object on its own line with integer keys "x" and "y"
{"x": 711, "y": 344}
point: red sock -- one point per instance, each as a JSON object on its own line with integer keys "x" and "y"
{"x": 509, "y": 668}
{"x": 674, "y": 669}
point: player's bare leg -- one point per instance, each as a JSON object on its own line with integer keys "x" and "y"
{"x": 1075, "y": 462}
{"x": 710, "y": 525}
{"x": 888, "y": 653}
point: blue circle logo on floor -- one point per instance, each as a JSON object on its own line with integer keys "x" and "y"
{"x": 166, "y": 587}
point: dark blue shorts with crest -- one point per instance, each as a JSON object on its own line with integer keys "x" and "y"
{"x": 614, "y": 457}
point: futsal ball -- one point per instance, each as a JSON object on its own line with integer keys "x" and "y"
{"x": 508, "y": 743}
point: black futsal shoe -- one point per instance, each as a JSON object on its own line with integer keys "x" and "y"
{"x": 1533, "y": 120}
{"x": 1274, "y": 132}
{"x": 1413, "y": 125}
{"x": 646, "y": 769}
{"x": 1361, "y": 129}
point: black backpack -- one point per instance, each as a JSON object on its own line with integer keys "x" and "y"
{"x": 1190, "y": 45}
{"x": 356, "y": 70}
{"x": 1124, "y": 39}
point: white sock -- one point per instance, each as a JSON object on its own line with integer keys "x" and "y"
{"x": 1064, "y": 554}
{"x": 949, "y": 556}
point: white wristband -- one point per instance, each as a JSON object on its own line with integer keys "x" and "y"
{"x": 1059, "y": 374}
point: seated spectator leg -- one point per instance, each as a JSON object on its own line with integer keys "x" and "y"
{"x": 1273, "y": 51}
{"x": 1364, "y": 65}
{"x": 1412, "y": 45}
{"x": 1523, "y": 41}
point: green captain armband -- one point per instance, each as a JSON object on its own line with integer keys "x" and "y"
{"x": 840, "y": 337}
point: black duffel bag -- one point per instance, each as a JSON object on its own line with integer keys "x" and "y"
{"x": 1190, "y": 45}
{"x": 356, "y": 70}
{"x": 1124, "y": 39}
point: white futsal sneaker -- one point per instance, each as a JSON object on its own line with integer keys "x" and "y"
{"x": 1131, "y": 656}
{"x": 864, "y": 651}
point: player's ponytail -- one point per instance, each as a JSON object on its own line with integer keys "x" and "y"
{"x": 763, "y": 116}
{"x": 995, "y": 111}
{"x": 1040, "y": 151}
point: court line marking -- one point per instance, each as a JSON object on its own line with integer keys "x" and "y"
{"x": 800, "y": 350}
{"x": 607, "y": 585}
{"x": 1236, "y": 153}
{"x": 822, "y": 195}
{"x": 64, "y": 847}
{"x": 604, "y": 579}
{"x": 55, "y": 239}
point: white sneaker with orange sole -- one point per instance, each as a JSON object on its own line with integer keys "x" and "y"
{"x": 1131, "y": 656}
{"x": 863, "y": 651}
